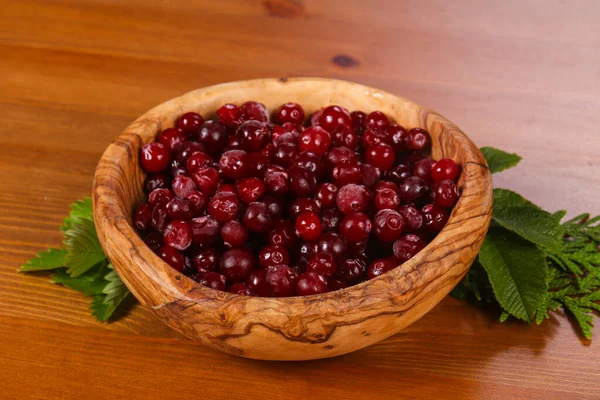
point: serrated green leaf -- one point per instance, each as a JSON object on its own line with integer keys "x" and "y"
{"x": 80, "y": 209}
{"x": 559, "y": 215}
{"x": 46, "y": 260}
{"x": 499, "y": 160}
{"x": 517, "y": 214}
{"x": 517, "y": 271}
{"x": 583, "y": 316}
{"x": 90, "y": 283}
{"x": 113, "y": 294}
{"x": 504, "y": 316}
{"x": 84, "y": 249}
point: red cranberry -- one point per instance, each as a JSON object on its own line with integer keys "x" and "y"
{"x": 155, "y": 157}
{"x": 250, "y": 189}
{"x": 252, "y": 135}
{"x": 293, "y": 128}
{"x": 399, "y": 173}
{"x": 381, "y": 185}
{"x": 253, "y": 110}
{"x": 352, "y": 270}
{"x": 327, "y": 194}
{"x": 309, "y": 161}
{"x": 234, "y": 233}
{"x": 178, "y": 234}
{"x": 352, "y": 198}
{"x": 196, "y": 200}
{"x": 359, "y": 119}
{"x": 386, "y": 199}
{"x": 334, "y": 116}
{"x": 282, "y": 234}
{"x": 214, "y": 135}
{"x": 381, "y": 266}
{"x": 182, "y": 185}
{"x": 332, "y": 243}
{"x": 444, "y": 169}
{"x": 339, "y": 155}
{"x": 344, "y": 136}
{"x": 180, "y": 209}
{"x": 356, "y": 227}
{"x": 434, "y": 218}
{"x": 189, "y": 123}
{"x": 205, "y": 230}
{"x": 381, "y": 155}
{"x": 290, "y": 112}
{"x": 331, "y": 218}
{"x": 413, "y": 219}
{"x": 236, "y": 264}
{"x": 257, "y": 283}
{"x": 258, "y": 218}
{"x": 373, "y": 137}
{"x": 276, "y": 180}
{"x": 275, "y": 206}
{"x": 323, "y": 264}
{"x": 154, "y": 240}
{"x": 142, "y": 217}
{"x": 206, "y": 260}
{"x": 258, "y": 163}
{"x": 377, "y": 120}
{"x": 422, "y": 169}
{"x": 446, "y": 193}
{"x": 310, "y": 283}
{"x": 226, "y": 187}
{"x": 285, "y": 153}
{"x": 314, "y": 119}
{"x": 388, "y": 225}
{"x": 302, "y": 182}
{"x": 214, "y": 281}
{"x": 419, "y": 139}
{"x": 198, "y": 160}
{"x": 370, "y": 174}
{"x": 155, "y": 181}
{"x": 160, "y": 196}
{"x": 207, "y": 180}
{"x": 336, "y": 284}
{"x": 315, "y": 139}
{"x": 224, "y": 206}
{"x": 239, "y": 288}
{"x": 159, "y": 217}
{"x": 172, "y": 138}
{"x": 345, "y": 174}
{"x": 398, "y": 137}
{"x": 233, "y": 144}
{"x": 308, "y": 226}
{"x": 407, "y": 246}
{"x": 230, "y": 115}
{"x": 354, "y": 250}
{"x": 272, "y": 255}
{"x": 172, "y": 256}
{"x": 282, "y": 280}
{"x": 302, "y": 205}
{"x": 186, "y": 150}
{"x": 234, "y": 164}
{"x": 307, "y": 250}
{"x": 413, "y": 189}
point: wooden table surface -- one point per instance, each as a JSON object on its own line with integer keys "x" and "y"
{"x": 520, "y": 75}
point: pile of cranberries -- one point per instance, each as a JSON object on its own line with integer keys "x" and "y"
{"x": 277, "y": 208}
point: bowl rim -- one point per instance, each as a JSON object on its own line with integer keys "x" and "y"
{"x": 114, "y": 224}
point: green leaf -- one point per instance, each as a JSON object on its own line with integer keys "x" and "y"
{"x": 84, "y": 250}
{"x": 583, "y": 317}
{"x": 80, "y": 209}
{"x": 113, "y": 294}
{"x": 46, "y": 260}
{"x": 91, "y": 283}
{"x": 504, "y": 316}
{"x": 515, "y": 213}
{"x": 559, "y": 215}
{"x": 517, "y": 271}
{"x": 499, "y": 160}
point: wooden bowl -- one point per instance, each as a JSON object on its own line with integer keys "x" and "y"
{"x": 293, "y": 328}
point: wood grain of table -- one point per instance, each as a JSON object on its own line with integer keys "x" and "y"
{"x": 520, "y": 75}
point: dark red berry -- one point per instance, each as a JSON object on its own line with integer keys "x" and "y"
{"x": 197, "y": 201}
{"x": 413, "y": 189}
{"x": 419, "y": 139}
{"x": 253, "y": 110}
{"x": 274, "y": 204}
{"x": 282, "y": 280}
{"x": 444, "y": 169}
{"x": 333, "y": 116}
{"x": 214, "y": 281}
{"x": 398, "y": 137}
{"x": 308, "y": 226}
{"x": 155, "y": 157}
{"x": 236, "y": 264}
{"x": 413, "y": 219}
{"x": 346, "y": 137}
{"x": 160, "y": 196}
{"x": 359, "y": 119}
{"x": 323, "y": 264}
{"x": 234, "y": 164}
{"x": 422, "y": 169}
{"x": 386, "y": 199}
{"x": 258, "y": 163}
{"x": 282, "y": 234}
{"x": 388, "y": 225}
{"x": 309, "y": 161}
{"x": 160, "y": 217}
{"x": 206, "y": 260}
{"x": 224, "y": 206}
{"x": 381, "y": 185}
{"x": 377, "y": 120}
{"x": 230, "y": 115}
{"x": 179, "y": 209}
{"x": 239, "y": 288}
{"x": 154, "y": 240}
{"x": 205, "y": 230}
{"x": 234, "y": 233}
{"x": 182, "y": 185}
{"x": 155, "y": 181}
{"x": 178, "y": 234}
{"x": 315, "y": 139}
{"x": 332, "y": 243}
{"x": 257, "y": 283}
{"x": 302, "y": 182}
{"x": 445, "y": 193}
{"x": 370, "y": 174}
{"x": 352, "y": 198}
{"x": 434, "y": 218}
{"x": 327, "y": 194}
{"x": 272, "y": 255}
{"x": 352, "y": 270}
{"x": 252, "y": 135}
{"x": 339, "y": 155}
{"x": 172, "y": 256}
{"x": 345, "y": 174}
{"x": 257, "y": 217}
{"x": 302, "y": 205}
{"x": 372, "y": 137}
{"x": 276, "y": 180}
{"x": 331, "y": 218}
{"x": 381, "y": 266}
{"x": 399, "y": 173}
{"x": 356, "y": 227}
{"x": 284, "y": 154}
{"x": 290, "y": 112}
{"x": 407, "y": 247}
{"x": 142, "y": 217}
{"x": 250, "y": 189}
{"x": 198, "y": 160}
{"x": 207, "y": 180}
{"x": 186, "y": 150}
{"x": 172, "y": 138}
{"x": 310, "y": 283}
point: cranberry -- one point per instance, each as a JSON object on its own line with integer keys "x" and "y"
{"x": 179, "y": 208}
{"x": 276, "y": 180}
{"x": 336, "y": 284}
{"x": 388, "y": 225}
{"x": 444, "y": 169}
{"x": 230, "y": 115}
{"x": 159, "y": 217}
{"x": 186, "y": 150}
{"x": 236, "y": 264}
{"x": 290, "y": 112}
{"x": 352, "y": 198}
{"x": 332, "y": 243}
{"x": 308, "y": 226}
{"x": 413, "y": 219}
{"x": 377, "y": 120}
{"x": 207, "y": 180}
{"x": 282, "y": 234}
{"x": 302, "y": 182}
{"x": 314, "y": 119}
{"x": 155, "y": 181}
{"x": 182, "y": 185}
{"x": 323, "y": 264}
{"x": 356, "y": 227}
{"x": 272, "y": 255}
{"x": 381, "y": 185}
{"x": 142, "y": 217}
{"x": 295, "y": 129}
{"x": 339, "y": 155}
{"x": 446, "y": 193}
{"x": 422, "y": 169}
{"x": 234, "y": 233}
{"x": 250, "y": 189}
{"x": 172, "y": 138}
{"x": 233, "y": 144}
{"x": 315, "y": 139}
{"x": 214, "y": 281}
{"x": 331, "y": 218}
{"x": 234, "y": 164}
{"x": 307, "y": 250}
{"x": 398, "y": 137}
{"x": 373, "y": 137}
{"x": 357, "y": 249}
{"x": 434, "y": 218}
{"x": 253, "y": 110}
{"x": 359, "y": 119}
{"x": 381, "y": 155}
{"x": 206, "y": 260}
{"x": 345, "y": 174}
{"x": 381, "y": 266}
{"x": 198, "y": 160}
{"x": 224, "y": 206}
{"x": 226, "y": 187}
{"x": 172, "y": 256}
{"x": 344, "y": 136}
{"x": 399, "y": 173}
{"x": 275, "y": 206}
{"x": 303, "y": 205}
{"x": 178, "y": 234}
{"x": 370, "y": 174}
{"x": 155, "y": 157}
{"x": 334, "y": 116}
{"x": 413, "y": 189}
{"x": 205, "y": 230}
{"x": 282, "y": 280}
{"x": 419, "y": 139}
{"x": 386, "y": 199}
{"x": 352, "y": 270}
{"x": 189, "y": 123}
{"x": 196, "y": 200}
{"x": 160, "y": 196}
{"x": 327, "y": 194}
{"x": 285, "y": 153}
{"x": 239, "y": 288}
{"x": 310, "y": 283}
{"x": 257, "y": 283}
{"x": 257, "y": 217}
{"x": 407, "y": 246}
{"x": 258, "y": 163}
{"x": 154, "y": 240}
{"x": 252, "y": 135}
{"x": 309, "y": 161}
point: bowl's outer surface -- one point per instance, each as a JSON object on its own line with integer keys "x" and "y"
{"x": 296, "y": 328}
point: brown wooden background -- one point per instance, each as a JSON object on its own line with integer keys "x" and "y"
{"x": 520, "y": 75}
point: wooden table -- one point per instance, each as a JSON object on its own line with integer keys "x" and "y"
{"x": 520, "y": 75}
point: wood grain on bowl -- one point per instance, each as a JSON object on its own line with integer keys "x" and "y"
{"x": 293, "y": 328}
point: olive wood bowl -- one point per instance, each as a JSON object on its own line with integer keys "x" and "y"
{"x": 293, "y": 328}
